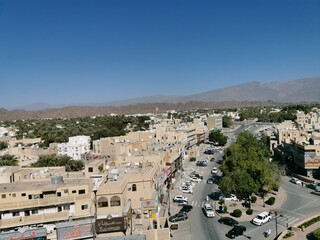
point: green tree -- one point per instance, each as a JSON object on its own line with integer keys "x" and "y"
{"x": 53, "y": 160}
{"x": 226, "y": 121}
{"x": 8, "y": 160}
{"x": 246, "y": 168}
{"x": 218, "y": 138}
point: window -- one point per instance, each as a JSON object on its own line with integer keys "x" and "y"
{"x": 82, "y": 191}
{"x": 66, "y": 207}
{"x": 103, "y": 202}
{"x": 74, "y": 191}
{"x": 34, "y": 211}
{"x": 84, "y": 207}
{"x": 23, "y": 194}
{"x": 3, "y": 196}
{"x": 66, "y": 191}
{"x": 90, "y": 169}
{"x": 59, "y": 194}
{"x": 13, "y": 195}
{"x": 134, "y": 187}
{"x": 115, "y": 201}
{"x": 16, "y": 214}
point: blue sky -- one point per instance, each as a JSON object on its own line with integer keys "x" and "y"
{"x": 74, "y": 51}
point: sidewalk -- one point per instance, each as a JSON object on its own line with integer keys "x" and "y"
{"x": 257, "y": 207}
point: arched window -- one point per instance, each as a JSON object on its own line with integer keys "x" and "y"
{"x": 134, "y": 187}
{"x": 115, "y": 201}
{"x": 103, "y": 202}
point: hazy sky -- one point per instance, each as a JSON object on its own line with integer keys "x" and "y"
{"x": 74, "y": 51}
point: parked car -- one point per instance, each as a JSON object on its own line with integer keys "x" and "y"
{"x": 210, "y": 181}
{"x": 195, "y": 179}
{"x": 236, "y": 231}
{"x": 180, "y": 197}
{"x": 186, "y": 184}
{"x": 314, "y": 187}
{"x": 230, "y": 197}
{"x": 187, "y": 189}
{"x": 228, "y": 221}
{"x": 198, "y": 176}
{"x": 261, "y": 218}
{"x": 209, "y": 151}
{"x": 186, "y": 208}
{"x": 181, "y": 216}
{"x": 296, "y": 181}
{"x": 208, "y": 210}
{"x": 214, "y": 170}
{"x": 181, "y": 202}
{"x": 202, "y": 163}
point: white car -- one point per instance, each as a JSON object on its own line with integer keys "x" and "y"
{"x": 214, "y": 170}
{"x": 180, "y": 197}
{"x": 230, "y": 197}
{"x": 195, "y": 179}
{"x": 208, "y": 210}
{"x": 295, "y": 181}
{"x": 187, "y": 190}
{"x": 261, "y": 218}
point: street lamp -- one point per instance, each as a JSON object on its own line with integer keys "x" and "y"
{"x": 95, "y": 212}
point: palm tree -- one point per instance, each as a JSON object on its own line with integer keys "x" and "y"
{"x": 8, "y": 160}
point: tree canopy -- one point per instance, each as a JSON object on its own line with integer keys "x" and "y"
{"x": 246, "y": 167}
{"x": 218, "y": 138}
{"x": 53, "y": 160}
{"x": 8, "y": 160}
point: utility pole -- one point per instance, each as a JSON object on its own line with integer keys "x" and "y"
{"x": 95, "y": 212}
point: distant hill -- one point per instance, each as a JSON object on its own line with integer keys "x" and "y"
{"x": 248, "y": 94}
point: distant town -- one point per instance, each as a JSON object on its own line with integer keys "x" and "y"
{"x": 134, "y": 176}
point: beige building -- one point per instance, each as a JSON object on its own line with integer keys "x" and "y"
{"x": 309, "y": 121}
{"x": 214, "y": 122}
{"x": 38, "y": 202}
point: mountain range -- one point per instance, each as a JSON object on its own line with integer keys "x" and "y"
{"x": 252, "y": 93}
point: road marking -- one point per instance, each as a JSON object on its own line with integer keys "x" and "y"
{"x": 306, "y": 204}
{"x": 301, "y": 215}
{"x": 300, "y": 195}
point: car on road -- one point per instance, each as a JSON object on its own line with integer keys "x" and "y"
{"x": 236, "y": 231}
{"x": 210, "y": 181}
{"x": 214, "y": 170}
{"x": 186, "y": 208}
{"x": 228, "y": 221}
{"x": 180, "y": 197}
{"x": 261, "y": 218}
{"x": 314, "y": 187}
{"x": 208, "y": 210}
{"x": 296, "y": 181}
{"x": 230, "y": 197}
{"x": 181, "y": 216}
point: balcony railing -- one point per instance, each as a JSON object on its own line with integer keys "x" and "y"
{"x": 34, "y": 219}
{"x": 49, "y": 201}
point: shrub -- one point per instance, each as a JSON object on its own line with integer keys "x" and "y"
{"x": 288, "y": 234}
{"x": 316, "y": 234}
{"x": 193, "y": 159}
{"x": 310, "y": 222}
{"x": 275, "y": 188}
{"x": 249, "y": 211}
{"x": 236, "y": 213}
{"x": 253, "y": 199}
{"x": 271, "y": 201}
{"x": 221, "y": 201}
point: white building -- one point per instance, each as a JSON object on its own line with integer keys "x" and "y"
{"x": 76, "y": 148}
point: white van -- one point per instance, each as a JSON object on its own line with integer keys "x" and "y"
{"x": 208, "y": 210}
